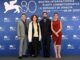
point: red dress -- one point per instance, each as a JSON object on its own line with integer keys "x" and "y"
{"x": 56, "y": 27}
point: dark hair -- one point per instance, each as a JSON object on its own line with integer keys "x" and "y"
{"x": 23, "y": 14}
{"x": 35, "y": 16}
{"x": 44, "y": 12}
{"x": 55, "y": 13}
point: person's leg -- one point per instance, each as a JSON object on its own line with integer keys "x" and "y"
{"x": 59, "y": 51}
{"x": 33, "y": 47}
{"x": 25, "y": 47}
{"x": 47, "y": 49}
{"x": 44, "y": 47}
{"x": 21, "y": 48}
{"x": 55, "y": 49}
{"x": 39, "y": 48}
{"x": 59, "y": 46}
{"x": 36, "y": 46}
{"x": 30, "y": 48}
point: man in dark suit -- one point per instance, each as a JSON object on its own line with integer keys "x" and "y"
{"x": 45, "y": 25}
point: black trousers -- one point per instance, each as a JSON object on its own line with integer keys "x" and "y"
{"x": 34, "y": 46}
{"x": 46, "y": 46}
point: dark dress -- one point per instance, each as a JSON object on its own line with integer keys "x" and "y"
{"x": 56, "y": 27}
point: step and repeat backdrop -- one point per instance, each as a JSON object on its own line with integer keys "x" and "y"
{"x": 69, "y": 14}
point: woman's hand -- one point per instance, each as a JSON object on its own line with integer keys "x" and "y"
{"x": 56, "y": 34}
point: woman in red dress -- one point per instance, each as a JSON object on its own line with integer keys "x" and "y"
{"x": 56, "y": 27}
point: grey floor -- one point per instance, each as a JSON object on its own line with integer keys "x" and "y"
{"x": 77, "y": 57}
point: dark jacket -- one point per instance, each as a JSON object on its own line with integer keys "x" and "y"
{"x": 45, "y": 28}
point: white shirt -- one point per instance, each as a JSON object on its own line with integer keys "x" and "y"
{"x": 35, "y": 30}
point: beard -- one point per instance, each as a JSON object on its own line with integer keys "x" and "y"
{"x": 45, "y": 17}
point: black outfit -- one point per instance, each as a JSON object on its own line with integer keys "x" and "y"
{"x": 34, "y": 46}
{"x": 45, "y": 25}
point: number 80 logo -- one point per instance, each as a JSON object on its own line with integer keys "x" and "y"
{"x": 25, "y": 7}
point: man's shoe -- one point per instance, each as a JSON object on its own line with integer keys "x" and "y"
{"x": 47, "y": 56}
{"x": 20, "y": 57}
{"x": 25, "y": 56}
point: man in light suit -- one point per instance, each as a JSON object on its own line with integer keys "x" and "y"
{"x": 22, "y": 32}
